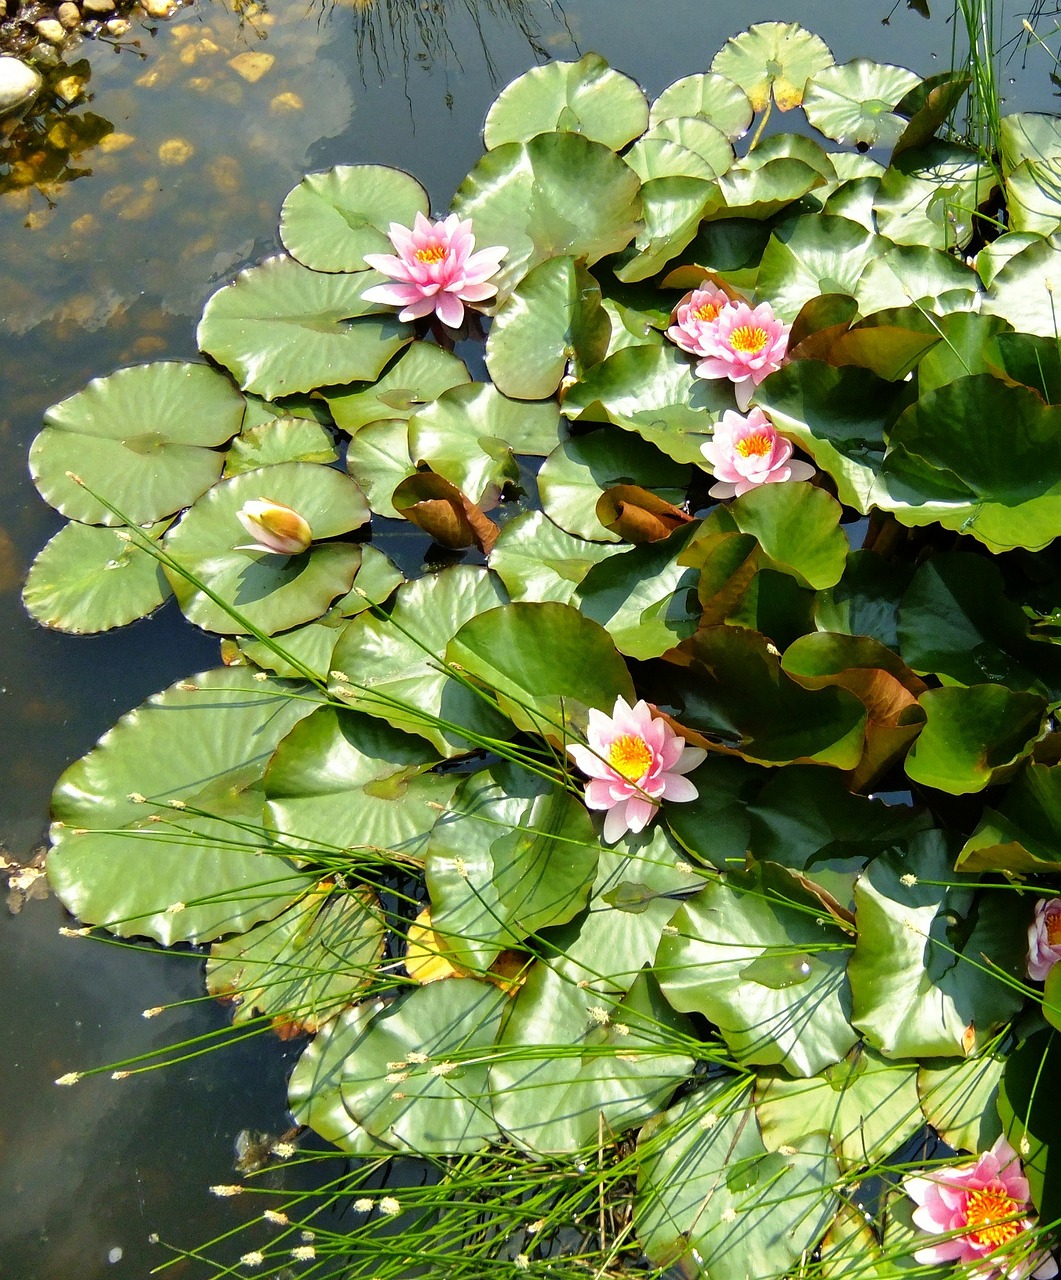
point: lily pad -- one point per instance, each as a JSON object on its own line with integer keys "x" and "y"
{"x": 712, "y": 97}
{"x": 302, "y": 968}
{"x": 551, "y": 321}
{"x": 673, "y": 208}
{"x": 332, "y": 219}
{"x": 343, "y": 782}
{"x": 378, "y": 459}
{"x": 960, "y": 1098}
{"x": 203, "y": 746}
{"x": 557, "y": 194}
{"x": 537, "y": 560}
{"x": 144, "y": 439}
{"x": 268, "y": 591}
{"x": 1019, "y": 835}
{"x": 90, "y": 579}
{"x": 280, "y": 440}
{"x": 812, "y": 255}
{"x": 585, "y": 97}
{"x": 420, "y": 375}
{"x": 391, "y": 667}
{"x": 512, "y": 855}
{"x": 775, "y": 58}
{"x": 1024, "y": 289}
{"x": 764, "y": 970}
{"x": 854, "y": 103}
{"x": 282, "y": 328}
{"x": 929, "y": 196}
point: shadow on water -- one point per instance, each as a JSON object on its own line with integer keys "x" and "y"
{"x": 140, "y": 184}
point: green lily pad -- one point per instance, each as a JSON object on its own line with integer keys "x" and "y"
{"x": 585, "y": 97}
{"x": 1019, "y": 834}
{"x": 341, "y": 780}
{"x": 693, "y": 133}
{"x": 90, "y": 579}
{"x": 673, "y": 208}
{"x": 662, "y": 157}
{"x": 812, "y": 255}
{"x": 761, "y": 191}
{"x": 929, "y": 196}
{"x": 645, "y": 597}
{"x": 775, "y": 58}
{"x": 865, "y": 602}
{"x": 712, "y": 97}
{"x": 553, "y": 319}
{"x": 470, "y": 433}
{"x": 1031, "y": 156}
{"x": 1030, "y": 1117}
{"x": 1023, "y": 290}
{"x": 1024, "y": 358}
{"x": 201, "y": 746}
{"x": 332, "y": 219}
{"x": 280, "y": 440}
{"x": 282, "y": 328}
{"x": 537, "y": 560}
{"x": 302, "y": 968}
{"x": 392, "y": 666}
{"x": 763, "y": 970}
{"x": 439, "y": 1103}
{"x": 959, "y": 1100}
{"x": 512, "y": 855}
{"x": 314, "y": 1090}
{"x": 378, "y": 459}
{"x": 974, "y": 736}
{"x": 557, "y": 194}
{"x": 272, "y": 592}
{"x": 546, "y": 663}
{"x": 578, "y": 471}
{"x": 420, "y": 375}
{"x": 930, "y": 976}
{"x": 712, "y": 1201}
{"x": 571, "y": 1059}
{"x": 868, "y": 1106}
{"x": 927, "y": 106}
{"x": 144, "y": 439}
{"x": 854, "y": 103}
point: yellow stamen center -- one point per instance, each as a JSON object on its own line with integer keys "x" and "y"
{"x": 757, "y": 445}
{"x": 433, "y": 253}
{"x": 986, "y": 1211}
{"x": 1053, "y": 928}
{"x": 630, "y": 756}
{"x": 748, "y": 340}
{"x": 709, "y": 311}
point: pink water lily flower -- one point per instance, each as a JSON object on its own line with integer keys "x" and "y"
{"x": 275, "y": 528}
{"x": 695, "y": 317}
{"x": 1044, "y": 938}
{"x": 982, "y": 1210}
{"x": 634, "y": 760}
{"x": 747, "y": 452}
{"x": 434, "y": 270}
{"x": 745, "y": 345}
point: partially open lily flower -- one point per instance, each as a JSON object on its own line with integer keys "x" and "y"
{"x": 1044, "y": 938}
{"x": 434, "y": 269}
{"x": 745, "y": 345}
{"x": 981, "y": 1213}
{"x": 695, "y": 317}
{"x": 634, "y": 760}
{"x": 274, "y": 527}
{"x": 747, "y": 452}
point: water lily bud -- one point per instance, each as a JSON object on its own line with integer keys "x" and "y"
{"x": 274, "y": 527}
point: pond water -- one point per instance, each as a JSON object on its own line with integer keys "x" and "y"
{"x": 161, "y": 181}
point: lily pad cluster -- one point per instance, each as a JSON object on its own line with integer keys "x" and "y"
{"x": 368, "y": 813}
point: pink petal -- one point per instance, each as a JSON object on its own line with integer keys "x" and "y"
{"x": 450, "y": 309}
{"x": 639, "y": 813}
{"x": 678, "y": 788}
{"x": 478, "y": 292}
{"x": 615, "y": 824}
{"x": 416, "y": 310}
{"x": 393, "y": 295}
{"x": 391, "y": 266}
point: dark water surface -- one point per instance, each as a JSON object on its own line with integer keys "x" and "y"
{"x": 211, "y": 129}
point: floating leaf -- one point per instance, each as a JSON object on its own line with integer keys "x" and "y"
{"x": 927, "y": 106}
{"x": 1019, "y": 834}
{"x": 537, "y": 560}
{"x": 766, "y": 972}
{"x": 281, "y": 328}
{"x": 439, "y": 508}
{"x": 512, "y": 855}
{"x": 551, "y": 321}
{"x": 280, "y": 440}
{"x": 772, "y": 57}
{"x": 713, "y": 97}
{"x": 1030, "y": 1117}
{"x": 930, "y": 194}
{"x": 571, "y": 1059}
{"x": 420, "y": 375}
{"x": 555, "y": 195}
{"x": 378, "y": 459}
{"x": 673, "y": 208}
{"x": 812, "y": 255}
{"x": 865, "y": 602}
{"x": 332, "y": 219}
{"x": 392, "y": 665}
{"x": 1023, "y": 290}
{"x": 90, "y": 579}
{"x": 438, "y": 1104}
{"x": 638, "y": 515}
{"x": 144, "y": 438}
{"x": 585, "y": 97}
{"x": 960, "y": 1100}
{"x": 203, "y": 745}
{"x": 302, "y": 968}
{"x": 854, "y": 103}
{"x": 713, "y": 1201}
{"x": 274, "y": 592}
{"x": 341, "y": 781}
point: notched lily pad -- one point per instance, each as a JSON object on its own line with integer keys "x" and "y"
{"x": 774, "y": 58}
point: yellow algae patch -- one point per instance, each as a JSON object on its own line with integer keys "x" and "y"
{"x": 86, "y": 225}
{"x": 115, "y": 196}
{"x": 286, "y": 102}
{"x": 175, "y": 151}
{"x": 116, "y": 142}
{"x": 251, "y": 66}
{"x": 224, "y": 172}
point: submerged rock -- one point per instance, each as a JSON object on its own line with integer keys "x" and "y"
{"x": 19, "y": 86}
